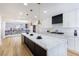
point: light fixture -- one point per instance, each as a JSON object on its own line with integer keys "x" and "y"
{"x": 20, "y": 13}
{"x": 31, "y": 24}
{"x": 35, "y": 16}
{"x": 45, "y": 11}
{"x": 39, "y": 22}
{"x": 25, "y": 4}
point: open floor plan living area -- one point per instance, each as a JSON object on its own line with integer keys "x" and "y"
{"x": 39, "y": 29}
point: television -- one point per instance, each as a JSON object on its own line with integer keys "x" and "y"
{"x": 57, "y": 19}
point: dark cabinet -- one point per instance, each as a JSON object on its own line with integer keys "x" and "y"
{"x": 34, "y": 48}
{"x": 26, "y": 41}
{"x": 39, "y": 51}
{"x": 31, "y": 46}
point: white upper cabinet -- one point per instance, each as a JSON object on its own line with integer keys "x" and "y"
{"x": 77, "y": 21}
{"x": 69, "y": 19}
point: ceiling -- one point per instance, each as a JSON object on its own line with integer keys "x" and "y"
{"x": 20, "y": 11}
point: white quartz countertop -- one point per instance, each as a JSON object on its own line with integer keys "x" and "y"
{"x": 47, "y": 42}
{"x": 62, "y": 36}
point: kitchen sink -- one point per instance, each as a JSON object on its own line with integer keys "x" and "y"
{"x": 57, "y": 32}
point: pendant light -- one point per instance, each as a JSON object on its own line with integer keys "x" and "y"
{"x": 39, "y": 14}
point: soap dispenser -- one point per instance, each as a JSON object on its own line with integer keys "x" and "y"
{"x": 75, "y": 32}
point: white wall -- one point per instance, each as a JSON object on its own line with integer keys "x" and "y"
{"x": 54, "y": 9}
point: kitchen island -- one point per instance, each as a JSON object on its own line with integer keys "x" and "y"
{"x": 46, "y": 46}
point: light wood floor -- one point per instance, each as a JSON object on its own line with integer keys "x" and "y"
{"x": 12, "y": 46}
{"x": 72, "y": 53}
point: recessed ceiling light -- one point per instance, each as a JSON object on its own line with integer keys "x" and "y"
{"x": 35, "y": 16}
{"x": 25, "y": 4}
{"x": 45, "y": 11}
{"x": 20, "y": 13}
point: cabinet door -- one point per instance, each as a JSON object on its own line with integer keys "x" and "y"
{"x": 77, "y": 20}
{"x": 77, "y": 44}
{"x": 39, "y": 51}
{"x": 31, "y": 46}
{"x": 69, "y": 19}
{"x": 26, "y": 41}
{"x": 71, "y": 43}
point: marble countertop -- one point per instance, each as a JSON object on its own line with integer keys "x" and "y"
{"x": 62, "y": 36}
{"x": 47, "y": 42}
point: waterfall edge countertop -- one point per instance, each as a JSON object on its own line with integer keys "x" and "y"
{"x": 47, "y": 42}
